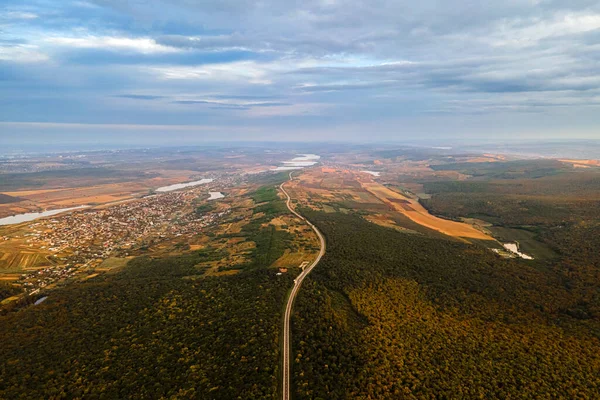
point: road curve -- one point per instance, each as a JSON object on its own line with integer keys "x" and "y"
{"x": 288, "y": 307}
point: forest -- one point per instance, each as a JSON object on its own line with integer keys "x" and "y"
{"x": 389, "y": 315}
{"x": 159, "y": 328}
{"x": 506, "y": 170}
{"x": 148, "y": 332}
{"x": 560, "y": 212}
{"x": 7, "y": 290}
{"x": 385, "y": 315}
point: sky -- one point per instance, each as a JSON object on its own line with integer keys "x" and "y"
{"x": 186, "y": 71}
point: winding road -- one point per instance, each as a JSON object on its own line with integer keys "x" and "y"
{"x": 288, "y": 308}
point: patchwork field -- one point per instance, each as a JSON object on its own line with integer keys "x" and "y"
{"x": 251, "y": 229}
{"x": 330, "y": 189}
{"x": 86, "y": 192}
{"x": 21, "y": 258}
{"x": 417, "y": 213}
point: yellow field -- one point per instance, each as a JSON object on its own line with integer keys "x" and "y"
{"x": 9, "y": 299}
{"x": 25, "y": 193}
{"x": 289, "y": 259}
{"x": 9, "y": 277}
{"x": 321, "y": 185}
{"x": 112, "y": 263}
{"x": 64, "y": 196}
{"x": 16, "y": 259}
{"x": 226, "y": 273}
{"x": 417, "y": 213}
{"x": 92, "y": 199}
{"x": 90, "y": 277}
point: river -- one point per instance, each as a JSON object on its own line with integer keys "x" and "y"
{"x": 178, "y": 186}
{"x": 17, "y": 219}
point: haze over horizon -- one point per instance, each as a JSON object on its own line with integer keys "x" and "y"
{"x": 180, "y": 72}
{"x": 299, "y": 199}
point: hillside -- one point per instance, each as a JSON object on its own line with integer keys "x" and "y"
{"x": 148, "y": 332}
{"x": 6, "y": 199}
{"x": 389, "y": 315}
{"x": 201, "y": 322}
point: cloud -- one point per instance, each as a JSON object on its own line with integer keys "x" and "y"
{"x": 138, "y": 45}
{"x": 214, "y": 104}
{"x": 221, "y": 103}
{"x": 334, "y": 87}
{"x": 518, "y": 33}
{"x": 139, "y": 96}
{"x": 212, "y": 42}
{"x": 17, "y": 15}
{"x": 246, "y": 71}
{"x": 21, "y": 53}
{"x": 313, "y": 62}
{"x": 230, "y": 103}
{"x": 289, "y": 110}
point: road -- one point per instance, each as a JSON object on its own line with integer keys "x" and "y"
{"x": 287, "y": 334}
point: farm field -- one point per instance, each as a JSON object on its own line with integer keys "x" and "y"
{"x": 345, "y": 189}
{"x": 57, "y": 181}
{"x": 233, "y": 274}
{"x": 417, "y": 213}
{"x": 227, "y": 277}
{"x": 86, "y": 193}
{"x": 254, "y": 228}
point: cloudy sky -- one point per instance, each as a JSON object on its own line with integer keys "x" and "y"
{"x": 186, "y": 71}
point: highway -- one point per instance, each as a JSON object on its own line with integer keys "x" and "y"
{"x": 287, "y": 334}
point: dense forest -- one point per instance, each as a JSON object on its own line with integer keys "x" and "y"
{"x": 7, "y": 290}
{"x": 148, "y": 332}
{"x": 560, "y": 212}
{"x": 506, "y": 170}
{"x": 393, "y": 315}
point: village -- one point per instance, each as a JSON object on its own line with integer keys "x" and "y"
{"x": 80, "y": 241}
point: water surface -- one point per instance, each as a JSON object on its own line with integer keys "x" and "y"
{"x": 374, "y": 173}
{"x": 40, "y": 300}
{"x": 178, "y": 186}
{"x": 215, "y": 195}
{"x": 17, "y": 219}
{"x": 514, "y": 248}
{"x": 303, "y": 160}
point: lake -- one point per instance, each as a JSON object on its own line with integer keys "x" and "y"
{"x": 178, "y": 186}
{"x": 303, "y": 160}
{"x": 40, "y": 300}
{"x": 372, "y": 173}
{"x": 514, "y": 248}
{"x": 17, "y": 219}
{"x": 215, "y": 195}
{"x": 286, "y": 168}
